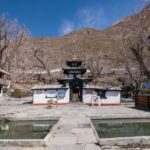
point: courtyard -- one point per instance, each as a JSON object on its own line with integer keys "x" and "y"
{"x": 73, "y": 130}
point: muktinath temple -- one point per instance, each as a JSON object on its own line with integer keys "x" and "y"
{"x": 74, "y": 87}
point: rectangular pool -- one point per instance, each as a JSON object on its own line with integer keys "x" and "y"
{"x": 113, "y": 128}
{"x": 25, "y": 129}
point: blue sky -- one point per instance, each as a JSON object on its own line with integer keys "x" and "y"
{"x": 45, "y": 18}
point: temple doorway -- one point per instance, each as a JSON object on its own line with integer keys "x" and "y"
{"x": 76, "y": 90}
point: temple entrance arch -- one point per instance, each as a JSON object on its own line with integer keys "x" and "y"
{"x": 76, "y": 90}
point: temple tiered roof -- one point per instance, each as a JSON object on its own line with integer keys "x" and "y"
{"x": 75, "y": 71}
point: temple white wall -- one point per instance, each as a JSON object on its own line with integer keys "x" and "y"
{"x": 111, "y": 97}
{"x": 62, "y": 96}
{"x": 43, "y": 96}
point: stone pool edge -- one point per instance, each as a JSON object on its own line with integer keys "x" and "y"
{"x": 121, "y": 141}
{"x": 94, "y": 130}
{"x": 125, "y": 141}
{"x": 29, "y": 142}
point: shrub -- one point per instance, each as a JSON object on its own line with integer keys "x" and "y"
{"x": 17, "y": 93}
{"x": 5, "y": 90}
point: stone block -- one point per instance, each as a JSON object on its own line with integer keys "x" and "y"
{"x": 122, "y": 141}
{"x": 92, "y": 147}
{"x": 82, "y": 130}
{"x": 66, "y": 147}
{"x": 63, "y": 140}
{"x": 86, "y": 138}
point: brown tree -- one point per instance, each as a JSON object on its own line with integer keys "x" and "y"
{"x": 95, "y": 66}
{"x": 135, "y": 46}
{"x": 12, "y": 36}
{"x": 42, "y": 62}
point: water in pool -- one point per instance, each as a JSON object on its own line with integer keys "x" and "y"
{"x": 122, "y": 128}
{"x": 25, "y": 129}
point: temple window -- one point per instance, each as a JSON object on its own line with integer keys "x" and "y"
{"x": 102, "y": 94}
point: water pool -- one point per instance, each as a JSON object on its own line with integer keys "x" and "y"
{"x": 25, "y": 129}
{"x": 113, "y": 128}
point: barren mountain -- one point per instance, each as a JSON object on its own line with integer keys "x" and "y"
{"x": 88, "y": 42}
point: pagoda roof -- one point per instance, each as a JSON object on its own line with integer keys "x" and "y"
{"x": 71, "y": 79}
{"x": 71, "y": 62}
{"x": 76, "y": 60}
{"x": 74, "y": 70}
{"x": 76, "y": 78}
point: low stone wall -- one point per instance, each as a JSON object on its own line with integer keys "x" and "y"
{"x": 23, "y": 142}
{"x": 29, "y": 142}
{"x": 141, "y": 141}
{"x": 123, "y": 142}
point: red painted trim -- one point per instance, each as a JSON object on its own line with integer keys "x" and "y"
{"x": 95, "y": 104}
{"x": 111, "y": 104}
{"x": 49, "y": 104}
{"x": 104, "y": 104}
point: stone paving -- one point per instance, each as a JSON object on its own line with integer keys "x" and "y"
{"x": 74, "y": 130}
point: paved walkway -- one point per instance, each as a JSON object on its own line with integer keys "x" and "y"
{"x": 74, "y": 130}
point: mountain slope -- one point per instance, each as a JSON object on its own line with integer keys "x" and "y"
{"x": 89, "y": 43}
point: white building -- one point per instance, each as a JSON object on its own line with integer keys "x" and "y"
{"x": 101, "y": 96}
{"x": 62, "y": 95}
{"x": 42, "y": 94}
{"x": 74, "y": 88}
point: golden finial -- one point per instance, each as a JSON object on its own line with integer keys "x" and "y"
{"x": 74, "y": 57}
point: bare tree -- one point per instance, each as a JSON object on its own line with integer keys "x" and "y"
{"x": 137, "y": 44}
{"x": 134, "y": 46}
{"x": 12, "y": 37}
{"x": 95, "y": 66}
{"x": 4, "y": 40}
{"x": 42, "y": 61}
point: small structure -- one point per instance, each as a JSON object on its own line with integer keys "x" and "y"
{"x": 44, "y": 93}
{"x": 3, "y": 80}
{"x": 97, "y": 95}
{"x": 74, "y": 88}
{"x": 143, "y": 99}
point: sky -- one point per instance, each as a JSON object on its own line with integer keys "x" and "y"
{"x": 46, "y": 18}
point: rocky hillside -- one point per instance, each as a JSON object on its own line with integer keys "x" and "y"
{"x": 89, "y": 42}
